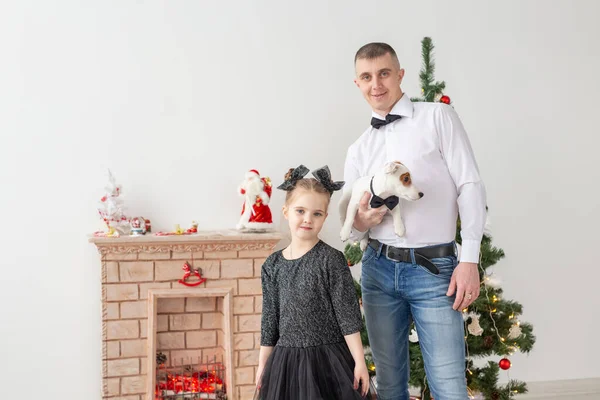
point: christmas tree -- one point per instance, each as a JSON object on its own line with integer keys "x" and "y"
{"x": 492, "y": 326}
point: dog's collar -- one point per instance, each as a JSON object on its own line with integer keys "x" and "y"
{"x": 376, "y": 201}
{"x": 371, "y": 185}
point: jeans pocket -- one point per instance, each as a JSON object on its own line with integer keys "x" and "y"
{"x": 446, "y": 266}
{"x": 368, "y": 255}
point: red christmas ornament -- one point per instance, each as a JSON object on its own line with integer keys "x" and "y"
{"x": 445, "y": 99}
{"x": 504, "y": 363}
{"x": 190, "y": 271}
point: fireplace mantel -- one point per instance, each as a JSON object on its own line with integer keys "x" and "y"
{"x": 221, "y": 240}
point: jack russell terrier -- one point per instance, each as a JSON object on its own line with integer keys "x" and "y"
{"x": 386, "y": 187}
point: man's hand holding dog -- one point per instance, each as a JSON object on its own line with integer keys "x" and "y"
{"x": 465, "y": 283}
{"x": 366, "y": 217}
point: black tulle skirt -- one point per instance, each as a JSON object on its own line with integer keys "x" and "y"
{"x": 314, "y": 373}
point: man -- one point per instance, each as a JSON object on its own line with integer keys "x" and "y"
{"x": 417, "y": 275}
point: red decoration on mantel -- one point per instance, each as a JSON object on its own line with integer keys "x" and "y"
{"x": 189, "y": 271}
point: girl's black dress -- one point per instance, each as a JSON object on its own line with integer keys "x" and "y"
{"x": 309, "y": 305}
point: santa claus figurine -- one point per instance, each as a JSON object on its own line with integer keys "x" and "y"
{"x": 256, "y": 214}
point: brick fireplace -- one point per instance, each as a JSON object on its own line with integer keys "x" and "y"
{"x": 147, "y": 310}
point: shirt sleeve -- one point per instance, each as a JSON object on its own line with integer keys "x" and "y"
{"x": 269, "y": 327}
{"x": 458, "y": 154}
{"x": 351, "y": 174}
{"x": 343, "y": 295}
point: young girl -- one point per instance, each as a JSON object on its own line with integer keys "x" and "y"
{"x": 311, "y": 321}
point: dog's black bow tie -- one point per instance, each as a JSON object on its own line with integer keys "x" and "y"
{"x": 378, "y": 123}
{"x": 389, "y": 202}
{"x": 377, "y": 201}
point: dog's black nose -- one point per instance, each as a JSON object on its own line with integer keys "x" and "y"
{"x": 421, "y": 194}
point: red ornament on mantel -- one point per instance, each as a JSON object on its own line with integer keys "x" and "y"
{"x": 504, "y": 363}
{"x": 190, "y": 271}
{"x": 445, "y": 99}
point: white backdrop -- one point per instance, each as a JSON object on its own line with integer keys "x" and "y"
{"x": 181, "y": 98}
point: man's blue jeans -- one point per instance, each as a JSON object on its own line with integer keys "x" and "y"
{"x": 392, "y": 293}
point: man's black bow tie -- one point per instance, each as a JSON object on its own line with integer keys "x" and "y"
{"x": 377, "y": 201}
{"x": 378, "y": 123}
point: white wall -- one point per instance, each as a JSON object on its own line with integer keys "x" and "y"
{"x": 179, "y": 99}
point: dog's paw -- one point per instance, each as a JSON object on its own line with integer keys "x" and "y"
{"x": 345, "y": 234}
{"x": 400, "y": 231}
{"x": 363, "y": 244}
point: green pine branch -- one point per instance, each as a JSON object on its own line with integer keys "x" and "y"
{"x": 429, "y": 87}
{"x": 353, "y": 253}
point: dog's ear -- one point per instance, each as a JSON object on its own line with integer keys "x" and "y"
{"x": 391, "y": 167}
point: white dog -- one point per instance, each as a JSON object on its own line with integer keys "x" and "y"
{"x": 387, "y": 187}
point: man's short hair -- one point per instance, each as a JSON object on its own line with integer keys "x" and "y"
{"x": 374, "y": 50}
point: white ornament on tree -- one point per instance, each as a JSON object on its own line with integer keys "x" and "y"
{"x": 514, "y": 331}
{"x": 413, "y": 337}
{"x": 492, "y": 281}
{"x": 476, "y": 396}
{"x": 474, "y": 328}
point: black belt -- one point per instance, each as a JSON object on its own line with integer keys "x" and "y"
{"x": 422, "y": 255}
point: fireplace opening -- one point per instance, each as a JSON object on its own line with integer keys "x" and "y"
{"x": 191, "y": 344}
{"x": 190, "y": 379}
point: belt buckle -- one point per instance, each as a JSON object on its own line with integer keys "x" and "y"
{"x": 401, "y": 254}
{"x": 387, "y": 252}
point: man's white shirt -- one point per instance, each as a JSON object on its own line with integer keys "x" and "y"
{"x": 431, "y": 142}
